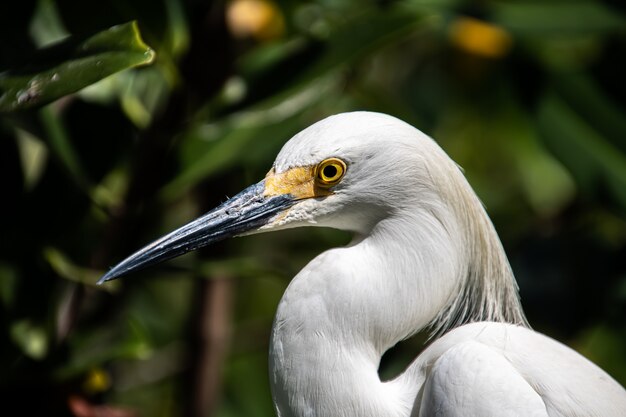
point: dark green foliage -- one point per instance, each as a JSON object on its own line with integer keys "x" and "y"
{"x": 528, "y": 97}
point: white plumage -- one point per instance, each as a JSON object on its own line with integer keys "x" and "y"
{"x": 424, "y": 255}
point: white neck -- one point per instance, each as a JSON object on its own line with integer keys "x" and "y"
{"x": 335, "y": 322}
{"x": 440, "y": 266}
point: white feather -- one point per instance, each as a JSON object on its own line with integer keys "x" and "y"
{"x": 425, "y": 254}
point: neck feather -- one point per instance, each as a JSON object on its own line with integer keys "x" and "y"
{"x": 487, "y": 289}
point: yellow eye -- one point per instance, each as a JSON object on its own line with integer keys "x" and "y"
{"x": 330, "y": 172}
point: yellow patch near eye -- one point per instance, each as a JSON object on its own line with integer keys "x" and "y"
{"x": 299, "y": 182}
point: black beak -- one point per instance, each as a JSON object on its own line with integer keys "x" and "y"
{"x": 247, "y": 211}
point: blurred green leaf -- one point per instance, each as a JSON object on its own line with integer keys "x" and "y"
{"x": 46, "y": 26}
{"x": 546, "y": 183}
{"x": 8, "y": 283}
{"x": 592, "y": 103}
{"x": 100, "y": 345}
{"x": 66, "y": 269}
{"x": 33, "y": 155}
{"x": 71, "y": 65}
{"x": 598, "y": 166}
{"x": 32, "y": 339}
{"x": 557, "y": 18}
{"x": 359, "y": 36}
{"x": 59, "y": 142}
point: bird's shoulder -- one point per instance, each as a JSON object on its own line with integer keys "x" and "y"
{"x": 495, "y": 365}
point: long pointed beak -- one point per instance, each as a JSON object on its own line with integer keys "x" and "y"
{"x": 247, "y": 211}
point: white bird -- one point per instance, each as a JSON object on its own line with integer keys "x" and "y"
{"x": 424, "y": 256}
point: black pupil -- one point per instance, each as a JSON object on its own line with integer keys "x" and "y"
{"x": 330, "y": 171}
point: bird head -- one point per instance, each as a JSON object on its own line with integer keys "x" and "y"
{"x": 347, "y": 171}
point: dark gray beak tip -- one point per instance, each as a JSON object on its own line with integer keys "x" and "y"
{"x": 109, "y": 276}
{"x": 246, "y": 211}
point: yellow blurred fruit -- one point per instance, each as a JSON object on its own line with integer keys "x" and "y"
{"x": 258, "y": 19}
{"x": 97, "y": 380}
{"x": 480, "y": 38}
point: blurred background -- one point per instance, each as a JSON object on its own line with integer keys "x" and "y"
{"x": 121, "y": 133}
